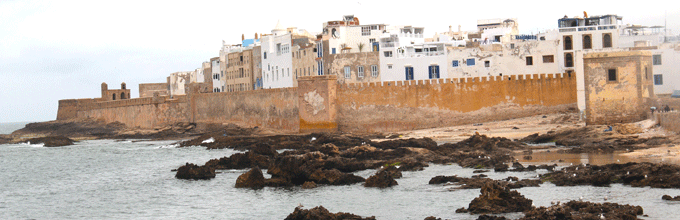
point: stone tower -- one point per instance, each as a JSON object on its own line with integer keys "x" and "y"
{"x": 618, "y": 86}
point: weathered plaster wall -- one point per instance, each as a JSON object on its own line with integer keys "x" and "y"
{"x": 670, "y": 121}
{"x": 148, "y": 89}
{"x": 270, "y": 108}
{"x": 317, "y": 103}
{"x": 406, "y": 105}
{"x": 625, "y": 100}
{"x": 338, "y": 62}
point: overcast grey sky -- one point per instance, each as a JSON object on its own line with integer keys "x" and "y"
{"x": 51, "y": 50}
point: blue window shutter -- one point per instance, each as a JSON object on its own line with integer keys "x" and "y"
{"x": 429, "y": 69}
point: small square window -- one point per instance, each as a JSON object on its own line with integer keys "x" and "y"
{"x": 548, "y": 59}
{"x": 347, "y": 72}
{"x": 487, "y": 63}
{"x": 454, "y": 63}
{"x": 656, "y": 59}
{"x": 389, "y": 66}
{"x": 658, "y": 79}
{"x": 530, "y": 61}
{"x": 471, "y": 62}
{"x": 388, "y": 53}
{"x": 611, "y": 75}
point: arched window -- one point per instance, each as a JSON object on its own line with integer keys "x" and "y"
{"x": 567, "y": 43}
{"x": 607, "y": 40}
{"x": 587, "y": 42}
{"x": 568, "y": 60}
{"x": 114, "y": 96}
{"x": 122, "y": 95}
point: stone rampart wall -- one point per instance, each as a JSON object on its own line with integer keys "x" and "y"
{"x": 407, "y": 105}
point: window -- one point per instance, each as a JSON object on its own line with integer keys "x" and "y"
{"x": 611, "y": 75}
{"x": 568, "y": 60}
{"x": 607, "y": 40}
{"x": 512, "y": 46}
{"x": 658, "y": 79}
{"x": 372, "y": 40}
{"x": 434, "y": 72}
{"x": 241, "y": 58}
{"x": 530, "y": 60}
{"x": 264, "y": 55}
{"x": 319, "y": 50}
{"x": 360, "y": 71}
{"x": 333, "y": 50}
{"x": 278, "y": 49}
{"x": 567, "y": 43}
{"x": 471, "y": 62}
{"x": 587, "y": 42}
{"x": 389, "y": 66}
{"x": 374, "y": 70}
{"x": 347, "y": 73}
{"x": 454, "y": 63}
{"x": 320, "y": 68}
{"x": 409, "y": 73}
{"x": 388, "y": 53}
{"x": 656, "y": 59}
{"x": 365, "y": 31}
{"x": 487, "y": 63}
{"x": 548, "y": 59}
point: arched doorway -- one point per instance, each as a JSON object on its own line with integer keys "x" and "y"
{"x": 114, "y": 96}
{"x": 122, "y": 95}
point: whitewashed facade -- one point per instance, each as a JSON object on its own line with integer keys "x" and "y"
{"x": 277, "y": 61}
{"x": 404, "y": 55}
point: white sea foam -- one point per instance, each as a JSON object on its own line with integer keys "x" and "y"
{"x": 209, "y": 140}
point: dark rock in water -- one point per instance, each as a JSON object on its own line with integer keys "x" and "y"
{"x": 501, "y": 168}
{"x": 241, "y": 160}
{"x": 411, "y": 142}
{"x": 277, "y": 182}
{"x": 496, "y": 198}
{"x": 334, "y": 177}
{"x": 462, "y": 210}
{"x": 432, "y": 218}
{"x": 584, "y": 210}
{"x": 51, "y": 141}
{"x": 382, "y": 179}
{"x": 669, "y": 198}
{"x": 528, "y": 157}
{"x": 252, "y": 179}
{"x": 195, "y": 172}
{"x": 479, "y": 182}
{"x": 633, "y": 174}
{"x": 320, "y": 212}
{"x": 263, "y": 149}
{"x": 393, "y": 171}
{"x": 490, "y": 217}
{"x": 480, "y": 171}
{"x": 309, "y": 185}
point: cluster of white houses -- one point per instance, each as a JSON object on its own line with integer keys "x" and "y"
{"x": 380, "y": 53}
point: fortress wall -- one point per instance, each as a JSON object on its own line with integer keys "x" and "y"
{"x": 147, "y": 89}
{"x": 68, "y": 108}
{"x": 142, "y": 112}
{"x": 269, "y": 108}
{"x": 407, "y": 105}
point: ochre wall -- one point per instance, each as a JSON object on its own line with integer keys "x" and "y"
{"x": 269, "y": 108}
{"x": 670, "y": 121}
{"x": 397, "y": 106}
{"x": 629, "y": 98}
{"x": 364, "y": 107}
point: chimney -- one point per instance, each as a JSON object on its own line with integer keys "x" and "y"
{"x": 450, "y": 28}
{"x": 243, "y": 37}
{"x": 256, "y": 36}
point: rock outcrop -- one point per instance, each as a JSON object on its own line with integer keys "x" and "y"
{"x": 496, "y": 199}
{"x": 382, "y": 179}
{"x": 51, "y": 141}
{"x": 633, "y": 174}
{"x": 670, "y": 198}
{"x": 195, "y": 172}
{"x": 320, "y": 212}
{"x": 584, "y": 210}
{"x": 253, "y": 179}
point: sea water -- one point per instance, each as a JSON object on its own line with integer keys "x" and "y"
{"x": 132, "y": 179}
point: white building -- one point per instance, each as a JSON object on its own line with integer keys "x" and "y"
{"x": 404, "y": 55}
{"x": 277, "y": 60}
{"x": 217, "y": 83}
{"x": 177, "y": 82}
{"x": 348, "y": 36}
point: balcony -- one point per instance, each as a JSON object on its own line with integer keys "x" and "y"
{"x": 411, "y": 35}
{"x": 421, "y": 54}
{"x": 590, "y": 28}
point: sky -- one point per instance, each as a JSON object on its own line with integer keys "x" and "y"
{"x": 52, "y": 50}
